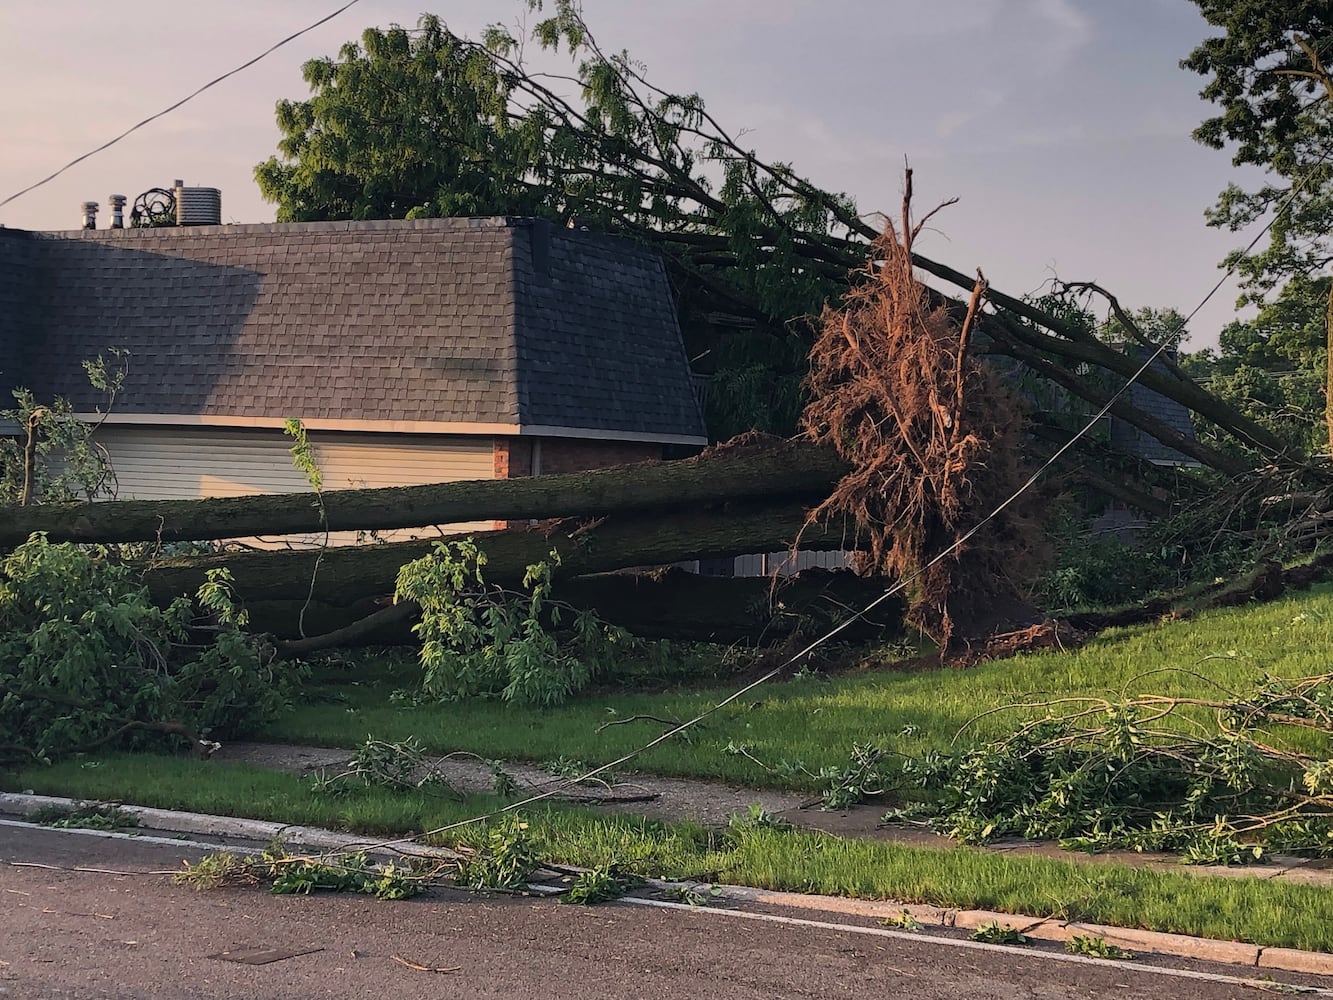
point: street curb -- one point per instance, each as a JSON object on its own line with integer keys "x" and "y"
{"x": 1039, "y": 928}
{"x": 223, "y": 826}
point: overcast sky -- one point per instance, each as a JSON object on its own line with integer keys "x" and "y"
{"x": 1063, "y": 126}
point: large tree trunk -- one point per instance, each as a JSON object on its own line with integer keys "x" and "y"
{"x": 343, "y": 583}
{"x": 758, "y": 468}
{"x": 658, "y": 604}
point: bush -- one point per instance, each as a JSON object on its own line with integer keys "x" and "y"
{"x": 478, "y": 640}
{"x": 88, "y": 660}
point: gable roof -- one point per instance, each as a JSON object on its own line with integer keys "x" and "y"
{"x": 484, "y": 325}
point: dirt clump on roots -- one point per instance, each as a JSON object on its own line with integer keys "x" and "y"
{"x": 934, "y": 438}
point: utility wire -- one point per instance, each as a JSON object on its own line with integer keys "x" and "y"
{"x": 901, "y": 584}
{"x": 184, "y": 100}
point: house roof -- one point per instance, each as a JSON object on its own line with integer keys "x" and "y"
{"x": 1175, "y": 415}
{"x": 482, "y": 325}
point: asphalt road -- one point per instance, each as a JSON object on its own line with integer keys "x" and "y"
{"x": 89, "y": 936}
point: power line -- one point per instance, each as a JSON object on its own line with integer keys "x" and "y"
{"x": 901, "y": 584}
{"x": 184, "y": 100}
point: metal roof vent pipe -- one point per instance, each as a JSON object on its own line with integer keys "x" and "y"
{"x": 198, "y": 206}
{"x": 117, "y": 211}
{"x": 90, "y": 215}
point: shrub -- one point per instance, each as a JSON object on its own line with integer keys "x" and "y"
{"x": 88, "y": 660}
{"x": 479, "y": 640}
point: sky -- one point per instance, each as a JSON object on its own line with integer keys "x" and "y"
{"x": 1062, "y": 126}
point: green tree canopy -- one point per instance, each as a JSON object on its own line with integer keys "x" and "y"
{"x": 1269, "y": 74}
{"x": 424, "y": 123}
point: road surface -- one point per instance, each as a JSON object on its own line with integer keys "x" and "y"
{"x": 88, "y": 936}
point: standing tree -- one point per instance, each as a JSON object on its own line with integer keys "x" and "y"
{"x": 1271, "y": 73}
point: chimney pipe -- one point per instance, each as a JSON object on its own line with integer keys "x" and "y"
{"x": 117, "y": 211}
{"x": 90, "y": 215}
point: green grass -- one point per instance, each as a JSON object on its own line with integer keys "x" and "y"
{"x": 815, "y": 721}
{"x": 1248, "y": 909}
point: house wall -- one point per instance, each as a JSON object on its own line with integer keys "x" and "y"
{"x": 515, "y": 457}
{"x": 783, "y": 564}
{"x": 578, "y": 455}
{"x": 185, "y": 463}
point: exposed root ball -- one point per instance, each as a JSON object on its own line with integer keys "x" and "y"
{"x": 934, "y": 438}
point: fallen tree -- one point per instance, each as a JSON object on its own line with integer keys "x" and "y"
{"x": 669, "y": 603}
{"x": 745, "y": 239}
{"x": 934, "y": 440}
{"x": 341, "y": 584}
{"x": 753, "y": 467}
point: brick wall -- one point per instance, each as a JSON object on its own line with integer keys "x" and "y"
{"x": 578, "y": 455}
{"x": 513, "y": 457}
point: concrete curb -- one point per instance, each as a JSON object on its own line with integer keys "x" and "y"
{"x": 223, "y": 826}
{"x": 1052, "y": 929}
{"x": 1039, "y": 928}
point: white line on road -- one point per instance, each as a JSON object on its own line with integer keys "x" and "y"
{"x": 881, "y": 932}
{"x": 114, "y": 835}
{"x": 1054, "y": 956}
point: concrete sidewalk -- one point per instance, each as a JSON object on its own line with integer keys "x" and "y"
{"x": 711, "y": 803}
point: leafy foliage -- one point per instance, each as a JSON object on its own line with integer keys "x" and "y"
{"x": 83, "y": 816}
{"x": 1271, "y": 75}
{"x": 1091, "y": 570}
{"x": 348, "y": 873}
{"x": 386, "y": 765}
{"x": 756, "y": 817}
{"x": 288, "y": 874}
{"x": 87, "y": 659}
{"x": 902, "y": 921}
{"x": 600, "y": 884}
{"x": 692, "y": 894}
{"x": 481, "y": 641}
{"x": 505, "y": 861}
{"x": 68, "y": 465}
{"x": 1272, "y": 366}
{"x": 998, "y": 933}
{"x": 1143, "y": 774}
{"x": 1096, "y": 947}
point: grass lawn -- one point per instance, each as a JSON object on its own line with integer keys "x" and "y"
{"x": 1247, "y": 909}
{"x": 815, "y": 721}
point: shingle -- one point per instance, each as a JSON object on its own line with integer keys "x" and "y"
{"x": 286, "y": 319}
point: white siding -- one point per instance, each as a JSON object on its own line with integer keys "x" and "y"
{"x": 166, "y": 463}
{"x": 782, "y": 563}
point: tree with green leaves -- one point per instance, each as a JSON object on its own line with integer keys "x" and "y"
{"x": 428, "y": 123}
{"x": 1271, "y": 75}
{"x": 1272, "y": 366}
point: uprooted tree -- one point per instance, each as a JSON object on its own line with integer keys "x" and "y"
{"x": 428, "y": 123}
{"x": 934, "y": 441}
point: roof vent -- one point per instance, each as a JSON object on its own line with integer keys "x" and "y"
{"x": 198, "y": 206}
{"x": 89, "y": 214}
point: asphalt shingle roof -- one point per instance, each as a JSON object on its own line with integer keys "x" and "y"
{"x": 489, "y": 321}
{"x": 1129, "y": 438}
